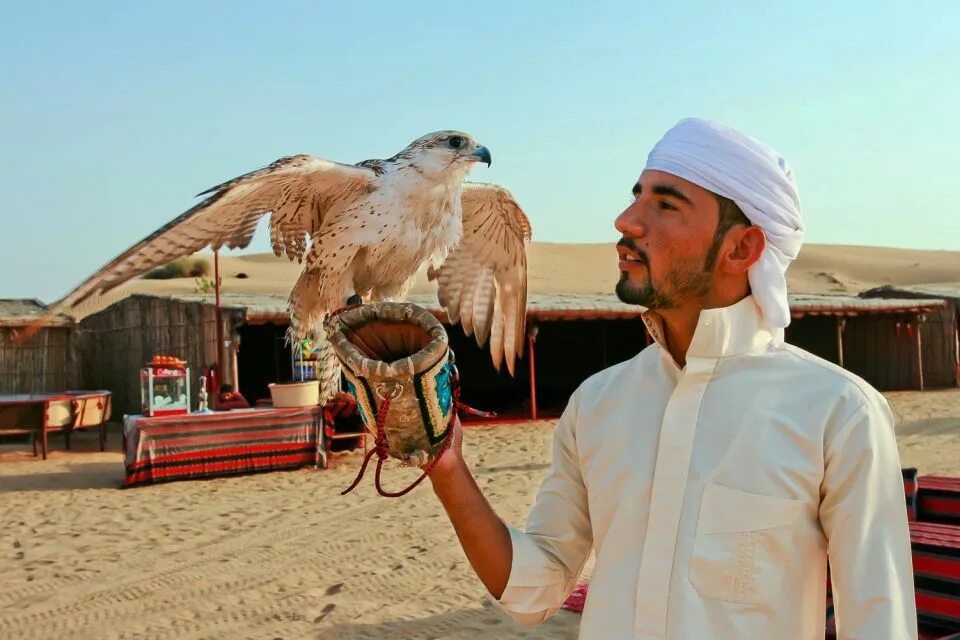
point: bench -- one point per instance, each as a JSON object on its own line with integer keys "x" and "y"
{"x": 936, "y": 570}
{"x": 938, "y": 500}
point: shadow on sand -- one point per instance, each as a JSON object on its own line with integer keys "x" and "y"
{"x": 465, "y": 624}
{"x": 90, "y": 475}
{"x": 530, "y": 466}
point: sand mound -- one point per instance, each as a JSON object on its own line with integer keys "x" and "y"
{"x": 592, "y": 268}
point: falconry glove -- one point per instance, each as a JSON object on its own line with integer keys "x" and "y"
{"x": 398, "y": 364}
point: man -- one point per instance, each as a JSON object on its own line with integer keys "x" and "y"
{"x": 715, "y": 472}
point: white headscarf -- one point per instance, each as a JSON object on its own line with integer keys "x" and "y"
{"x": 754, "y": 176}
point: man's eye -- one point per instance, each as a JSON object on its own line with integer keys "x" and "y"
{"x": 666, "y": 205}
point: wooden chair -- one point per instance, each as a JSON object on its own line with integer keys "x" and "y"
{"x": 89, "y": 409}
{"x": 344, "y": 407}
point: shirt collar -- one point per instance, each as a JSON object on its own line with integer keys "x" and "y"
{"x": 726, "y": 331}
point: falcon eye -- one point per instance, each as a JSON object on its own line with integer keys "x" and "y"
{"x": 455, "y": 141}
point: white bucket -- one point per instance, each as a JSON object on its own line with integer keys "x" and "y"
{"x": 295, "y": 394}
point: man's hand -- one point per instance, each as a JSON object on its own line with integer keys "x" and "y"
{"x": 453, "y": 456}
{"x": 483, "y": 536}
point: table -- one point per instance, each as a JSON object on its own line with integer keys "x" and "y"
{"x": 203, "y": 445}
{"x": 37, "y": 414}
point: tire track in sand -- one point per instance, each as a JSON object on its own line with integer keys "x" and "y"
{"x": 255, "y": 551}
{"x": 163, "y": 614}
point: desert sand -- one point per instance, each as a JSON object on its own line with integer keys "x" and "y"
{"x": 282, "y": 554}
{"x": 590, "y": 268}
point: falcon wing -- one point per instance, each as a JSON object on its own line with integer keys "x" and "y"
{"x": 297, "y": 190}
{"x": 483, "y": 282}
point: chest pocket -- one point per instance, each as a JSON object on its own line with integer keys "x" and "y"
{"x": 742, "y": 544}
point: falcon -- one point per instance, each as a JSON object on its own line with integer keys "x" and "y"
{"x": 362, "y": 232}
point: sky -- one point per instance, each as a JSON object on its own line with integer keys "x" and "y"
{"x": 113, "y": 115}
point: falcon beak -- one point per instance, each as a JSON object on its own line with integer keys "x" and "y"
{"x": 482, "y": 154}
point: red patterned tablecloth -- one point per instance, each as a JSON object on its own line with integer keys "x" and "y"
{"x": 220, "y": 443}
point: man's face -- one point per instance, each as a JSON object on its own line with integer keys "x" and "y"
{"x": 665, "y": 250}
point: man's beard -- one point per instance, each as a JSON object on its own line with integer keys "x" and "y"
{"x": 682, "y": 282}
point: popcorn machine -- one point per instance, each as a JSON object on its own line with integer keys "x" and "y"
{"x": 165, "y": 387}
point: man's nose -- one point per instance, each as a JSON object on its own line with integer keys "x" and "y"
{"x": 631, "y": 222}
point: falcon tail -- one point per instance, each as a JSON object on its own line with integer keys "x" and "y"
{"x": 329, "y": 372}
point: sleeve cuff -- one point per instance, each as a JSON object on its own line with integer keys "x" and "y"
{"x": 536, "y": 588}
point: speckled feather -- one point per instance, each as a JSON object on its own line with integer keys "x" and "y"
{"x": 367, "y": 229}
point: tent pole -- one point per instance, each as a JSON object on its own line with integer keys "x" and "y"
{"x": 533, "y": 372}
{"x": 956, "y": 345}
{"x": 216, "y": 288}
{"x": 841, "y": 323}
{"x": 919, "y": 351}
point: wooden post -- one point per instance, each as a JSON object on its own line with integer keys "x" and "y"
{"x": 841, "y": 323}
{"x": 43, "y": 427}
{"x": 216, "y": 288}
{"x": 531, "y": 341}
{"x": 234, "y": 368}
{"x": 956, "y": 346}
{"x": 919, "y": 351}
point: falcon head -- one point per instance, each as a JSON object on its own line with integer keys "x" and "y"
{"x": 444, "y": 154}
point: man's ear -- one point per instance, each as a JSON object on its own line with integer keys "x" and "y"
{"x": 748, "y": 244}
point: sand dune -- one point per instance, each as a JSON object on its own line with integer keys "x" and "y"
{"x": 591, "y": 268}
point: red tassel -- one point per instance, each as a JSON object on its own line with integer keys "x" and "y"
{"x": 381, "y": 449}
